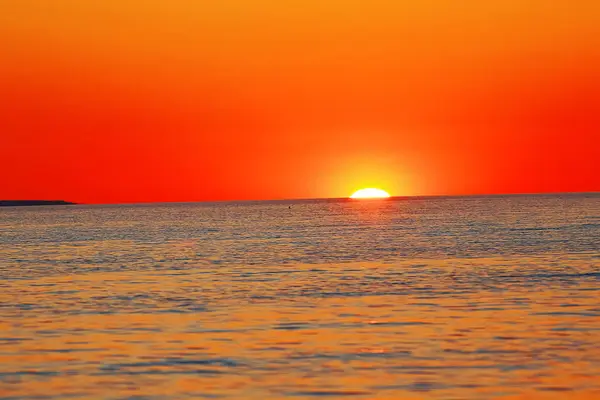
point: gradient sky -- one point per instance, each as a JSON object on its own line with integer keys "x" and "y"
{"x": 156, "y": 100}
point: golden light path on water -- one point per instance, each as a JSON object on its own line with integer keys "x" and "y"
{"x": 311, "y": 330}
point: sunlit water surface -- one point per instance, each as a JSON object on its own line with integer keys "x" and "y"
{"x": 441, "y": 298}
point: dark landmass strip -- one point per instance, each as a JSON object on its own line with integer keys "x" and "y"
{"x": 18, "y": 203}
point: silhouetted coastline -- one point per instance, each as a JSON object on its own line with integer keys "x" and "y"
{"x": 23, "y": 203}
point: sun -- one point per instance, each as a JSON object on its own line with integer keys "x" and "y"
{"x": 370, "y": 193}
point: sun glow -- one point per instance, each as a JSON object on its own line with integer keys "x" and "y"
{"x": 370, "y": 193}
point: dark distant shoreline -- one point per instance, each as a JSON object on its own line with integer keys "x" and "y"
{"x": 26, "y": 203}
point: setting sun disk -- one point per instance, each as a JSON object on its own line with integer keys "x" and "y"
{"x": 370, "y": 193}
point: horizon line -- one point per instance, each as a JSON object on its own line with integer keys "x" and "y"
{"x": 316, "y": 198}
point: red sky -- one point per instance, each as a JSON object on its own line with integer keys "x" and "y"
{"x": 155, "y": 100}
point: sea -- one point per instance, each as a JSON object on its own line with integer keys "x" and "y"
{"x": 482, "y": 297}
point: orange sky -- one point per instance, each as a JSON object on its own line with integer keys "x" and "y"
{"x": 156, "y": 100}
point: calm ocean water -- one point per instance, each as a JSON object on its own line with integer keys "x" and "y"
{"x": 436, "y": 298}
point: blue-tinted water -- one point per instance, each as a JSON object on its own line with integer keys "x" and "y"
{"x": 442, "y": 298}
